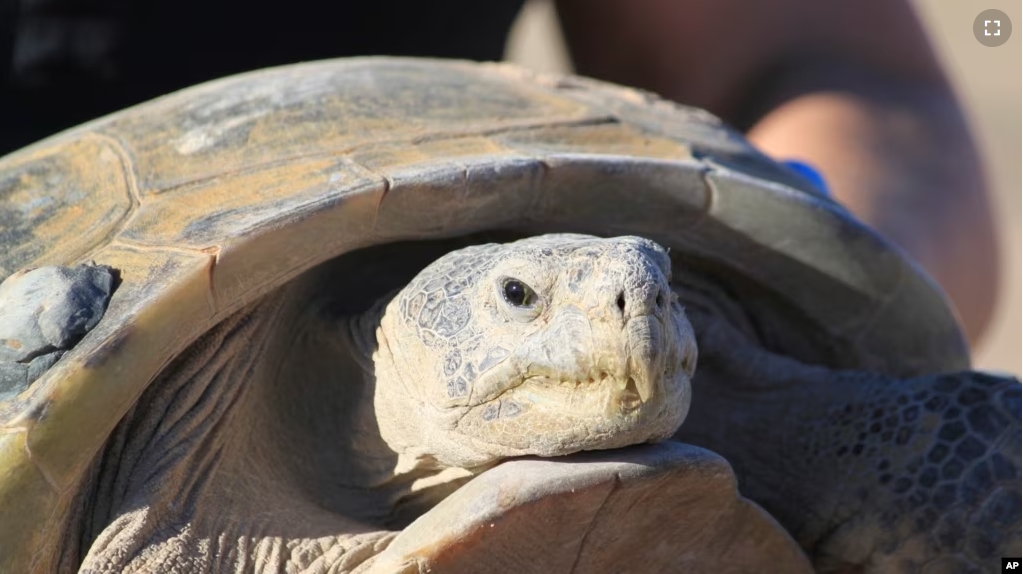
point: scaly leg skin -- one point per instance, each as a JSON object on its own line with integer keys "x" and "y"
{"x": 868, "y": 473}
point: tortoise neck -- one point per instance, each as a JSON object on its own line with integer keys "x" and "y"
{"x": 412, "y": 481}
{"x": 361, "y": 332}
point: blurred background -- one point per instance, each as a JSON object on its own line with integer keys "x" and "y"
{"x": 988, "y": 83}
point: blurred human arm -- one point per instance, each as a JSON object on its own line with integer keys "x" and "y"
{"x": 850, "y": 86}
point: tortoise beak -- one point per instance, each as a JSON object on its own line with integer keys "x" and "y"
{"x": 645, "y": 356}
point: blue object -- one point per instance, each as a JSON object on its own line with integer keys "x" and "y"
{"x": 809, "y": 173}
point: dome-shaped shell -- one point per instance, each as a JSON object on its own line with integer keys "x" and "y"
{"x": 205, "y": 199}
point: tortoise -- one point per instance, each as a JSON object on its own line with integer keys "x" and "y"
{"x": 403, "y": 315}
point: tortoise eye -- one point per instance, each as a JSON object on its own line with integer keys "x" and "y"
{"x": 518, "y": 293}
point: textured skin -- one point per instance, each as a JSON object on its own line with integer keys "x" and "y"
{"x": 175, "y": 489}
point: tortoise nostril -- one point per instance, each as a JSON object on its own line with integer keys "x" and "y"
{"x": 621, "y": 301}
{"x": 660, "y": 299}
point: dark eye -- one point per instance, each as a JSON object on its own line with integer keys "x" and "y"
{"x": 518, "y": 293}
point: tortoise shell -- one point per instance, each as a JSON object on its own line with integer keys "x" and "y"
{"x": 208, "y": 198}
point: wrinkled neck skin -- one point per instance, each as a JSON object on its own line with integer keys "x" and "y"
{"x": 417, "y": 480}
{"x": 232, "y": 461}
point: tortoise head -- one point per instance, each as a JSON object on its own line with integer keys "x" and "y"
{"x": 545, "y": 346}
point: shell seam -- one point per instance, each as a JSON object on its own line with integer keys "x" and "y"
{"x": 439, "y": 136}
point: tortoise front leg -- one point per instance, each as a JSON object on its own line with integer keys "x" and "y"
{"x": 869, "y": 473}
{"x": 666, "y": 508}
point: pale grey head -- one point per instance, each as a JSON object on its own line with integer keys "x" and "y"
{"x": 546, "y": 346}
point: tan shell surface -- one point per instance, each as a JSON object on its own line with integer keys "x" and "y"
{"x": 210, "y": 197}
